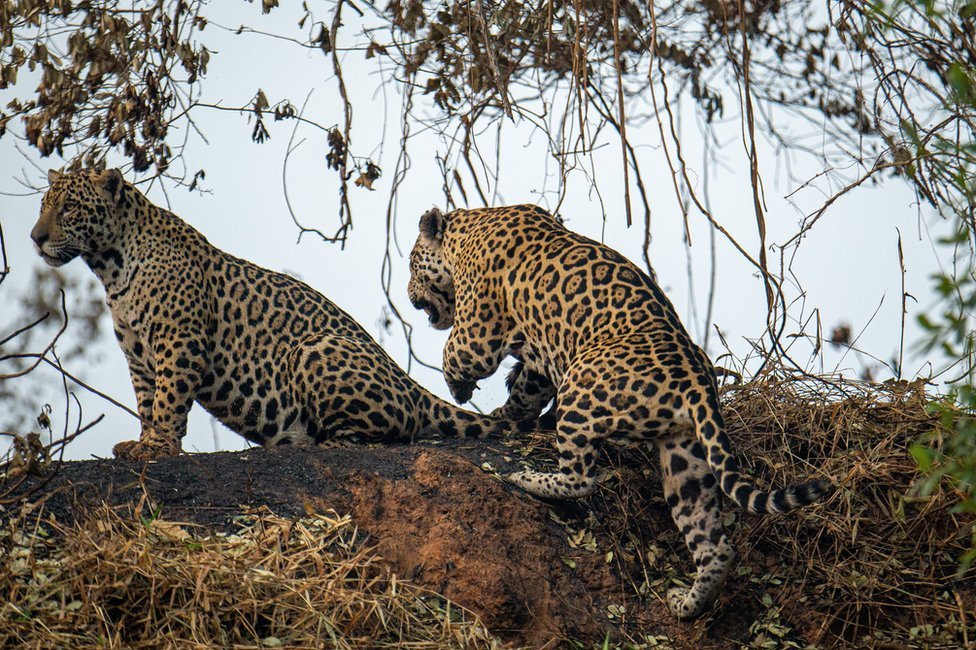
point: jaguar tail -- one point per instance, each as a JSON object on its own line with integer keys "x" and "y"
{"x": 710, "y": 431}
{"x": 450, "y": 421}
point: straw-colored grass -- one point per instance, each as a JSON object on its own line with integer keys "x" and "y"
{"x": 875, "y": 562}
{"x": 114, "y": 582}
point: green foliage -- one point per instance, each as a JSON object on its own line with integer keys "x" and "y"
{"x": 950, "y": 331}
{"x": 948, "y": 454}
{"x": 941, "y": 164}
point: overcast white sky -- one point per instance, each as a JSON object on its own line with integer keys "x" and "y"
{"x": 848, "y": 264}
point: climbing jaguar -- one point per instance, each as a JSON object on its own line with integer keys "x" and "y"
{"x": 265, "y": 354}
{"x": 592, "y": 331}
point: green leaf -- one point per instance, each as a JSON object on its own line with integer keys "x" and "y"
{"x": 961, "y": 81}
{"x": 923, "y": 456}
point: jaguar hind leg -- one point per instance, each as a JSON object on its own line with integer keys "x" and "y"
{"x": 576, "y": 478}
{"x": 693, "y": 494}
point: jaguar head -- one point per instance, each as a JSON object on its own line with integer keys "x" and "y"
{"x": 431, "y": 286}
{"x": 79, "y": 215}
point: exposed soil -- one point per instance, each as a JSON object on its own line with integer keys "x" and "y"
{"x": 438, "y": 517}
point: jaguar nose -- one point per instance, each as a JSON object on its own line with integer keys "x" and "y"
{"x": 39, "y": 236}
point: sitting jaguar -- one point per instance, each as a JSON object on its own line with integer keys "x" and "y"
{"x": 265, "y": 354}
{"x": 595, "y": 333}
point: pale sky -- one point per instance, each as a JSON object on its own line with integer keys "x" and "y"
{"x": 847, "y": 265}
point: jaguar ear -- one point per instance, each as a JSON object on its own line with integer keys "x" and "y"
{"x": 53, "y": 175}
{"x": 112, "y": 183}
{"x": 433, "y": 224}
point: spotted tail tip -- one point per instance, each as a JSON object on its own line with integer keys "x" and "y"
{"x": 790, "y": 498}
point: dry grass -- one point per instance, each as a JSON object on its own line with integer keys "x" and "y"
{"x": 880, "y": 558}
{"x": 874, "y": 563}
{"x": 113, "y": 582}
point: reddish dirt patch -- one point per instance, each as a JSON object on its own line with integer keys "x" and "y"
{"x": 460, "y": 532}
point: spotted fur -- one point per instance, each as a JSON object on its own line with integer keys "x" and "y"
{"x": 594, "y": 332}
{"x": 265, "y": 354}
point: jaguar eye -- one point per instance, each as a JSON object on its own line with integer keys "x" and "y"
{"x": 69, "y": 206}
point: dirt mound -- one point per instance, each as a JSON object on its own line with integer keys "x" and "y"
{"x": 873, "y": 565}
{"x": 435, "y": 516}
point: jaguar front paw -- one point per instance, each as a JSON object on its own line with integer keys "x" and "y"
{"x": 462, "y": 390}
{"x": 512, "y": 413}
